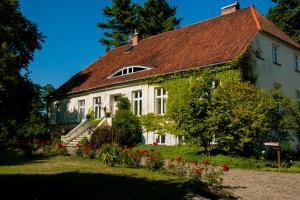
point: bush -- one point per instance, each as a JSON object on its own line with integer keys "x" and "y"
{"x": 132, "y": 158}
{"x": 109, "y": 135}
{"x": 154, "y": 160}
{"x": 110, "y": 154}
{"x": 125, "y": 119}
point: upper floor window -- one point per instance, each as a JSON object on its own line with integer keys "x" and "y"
{"x": 97, "y": 107}
{"x": 81, "y": 109}
{"x": 160, "y": 101}
{"x": 137, "y": 102}
{"x": 275, "y": 53}
{"x": 129, "y": 70}
{"x": 296, "y": 63}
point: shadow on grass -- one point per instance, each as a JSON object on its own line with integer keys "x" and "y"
{"x": 90, "y": 186}
{"x": 15, "y": 158}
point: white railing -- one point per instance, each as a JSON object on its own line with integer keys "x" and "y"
{"x": 80, "y": 129}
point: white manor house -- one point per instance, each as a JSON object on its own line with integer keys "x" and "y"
{"x": 123, "y": 70}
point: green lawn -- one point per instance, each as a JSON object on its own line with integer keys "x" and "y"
{"x": 195, "y": 153}
{"x": 68, "y": 177}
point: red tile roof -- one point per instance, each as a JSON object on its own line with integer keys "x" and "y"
{"x": 213, "y": 41}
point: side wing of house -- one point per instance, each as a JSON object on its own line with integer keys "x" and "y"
{"x": 277, "y": 65}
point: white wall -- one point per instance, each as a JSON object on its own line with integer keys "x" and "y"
{"x": 269, "y": 73}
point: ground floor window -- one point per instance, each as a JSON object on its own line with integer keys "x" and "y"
{"x": 81, "y": 109}
{"x": 137, "y": 102}
{"x": 97, "y": 107}
{"x": 160, "y": 139}
{"x": 160, "y": 101}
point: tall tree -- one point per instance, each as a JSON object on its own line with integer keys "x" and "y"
{"x": 154, "y": 17}
{"x": 286, "y": 15}
{"x": 19, "y": 38}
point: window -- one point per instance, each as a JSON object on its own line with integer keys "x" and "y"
{"x": 81, "y": 109}
{"x": 137, "y": 102}
{"x": 160, "y": 101}
{"x": 57, "y": 112}
{"x": 275, "y": 52}
{"x": 97, "y": 107}
{"x": 129, "y": 70}
{"x": 180, "y": 139}
{"x": 296, "y": 63}
{"x": 298, "y": 95}
{"x": 277, "y": 86}
{"x": 160, "y": 139}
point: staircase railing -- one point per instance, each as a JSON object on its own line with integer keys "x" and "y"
{"x": 81, "y": 128}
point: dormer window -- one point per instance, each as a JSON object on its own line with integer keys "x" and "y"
{"x": 129, "y": 70}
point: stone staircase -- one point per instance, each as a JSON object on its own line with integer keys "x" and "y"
{"x": 84, "y": 129}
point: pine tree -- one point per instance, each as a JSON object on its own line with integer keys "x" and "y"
{"x": 156, "y": 16}
{"x": 286, "y": 15}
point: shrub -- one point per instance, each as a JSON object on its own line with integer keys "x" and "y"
{"x": 154, "y": 160}
{"x": 125, "y": 119}
{"x": 109, "y": 135}
{"x": 110, "y": 154}
{"x": 132, "y": 158}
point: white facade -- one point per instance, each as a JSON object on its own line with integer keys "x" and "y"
{"x": 282, "y": 74}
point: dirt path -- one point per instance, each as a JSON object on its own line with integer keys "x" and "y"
{"x": 250, "y": 184}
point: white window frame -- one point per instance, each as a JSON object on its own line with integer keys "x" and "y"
{"x": 129, "y": 70}
{"x": 275, "y": 53}
{"x": 81, "y": 109}
{"x": 159, "y": 139}
{"x": 137, "y": 102}
{"x": 296, "y": 63}
{"x": 162, "y": 98}
{"x": 97, "y": 107}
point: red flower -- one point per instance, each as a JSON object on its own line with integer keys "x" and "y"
{"x": 179, "y": 159}
{"x": 130, "y": 155}
{"x": 129, "y": 149}
{"x": 205, "y": 162}
{"x": 155, "y": 143}
{"x": 151, "y": 158}
{"x": 152, "y": 150}
{"x": 199, "y": 169}
{"x": 195, "y": 162}
{"x": 221, "y": 179}
{"x": 226, "y": 168}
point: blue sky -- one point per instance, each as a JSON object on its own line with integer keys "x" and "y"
{"x": 72, "y": 37}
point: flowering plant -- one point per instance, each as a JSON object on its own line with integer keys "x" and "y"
{"x": 154, "y": 161}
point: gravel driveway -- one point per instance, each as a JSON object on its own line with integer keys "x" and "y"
{"x": 250, "y": 184}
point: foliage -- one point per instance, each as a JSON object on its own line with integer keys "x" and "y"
{"x": 110, "y": 154}
{"x": 286, "y": 15}
{"x": 125, "y": 119}
{"x": 156, "y": 16}
{"x": 132, "y": 158}
{"x": 151, "y": 122}
{"x": 154, "y": 160}
{"x": 19, "y": 40}
{"x": 86, "y": 151}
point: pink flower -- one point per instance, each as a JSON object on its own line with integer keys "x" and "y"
{"x": 199, "y": 169}
{"x": 195, "y": 162}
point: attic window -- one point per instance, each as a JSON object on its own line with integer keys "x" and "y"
{"x": 129, "y": 70}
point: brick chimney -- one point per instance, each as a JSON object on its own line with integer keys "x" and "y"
{"x": 230, "y": 8}
{"x": 134, "y": 38}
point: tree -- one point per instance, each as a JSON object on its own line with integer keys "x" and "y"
{"x": 18, "y": 42}
{"x": 286, "y": 15}
{"x": 126, "y": 120}
{"x": 156, "y": 16}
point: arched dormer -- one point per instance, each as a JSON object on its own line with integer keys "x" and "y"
{"x": 129, "y": 70}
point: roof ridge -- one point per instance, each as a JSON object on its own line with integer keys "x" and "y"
{"x": 199, "y": 22}
{"x": 258, "y": 25}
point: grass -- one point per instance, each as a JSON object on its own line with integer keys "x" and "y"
{"x": 190, "y": 153}
{"x": 68, "y": 177}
